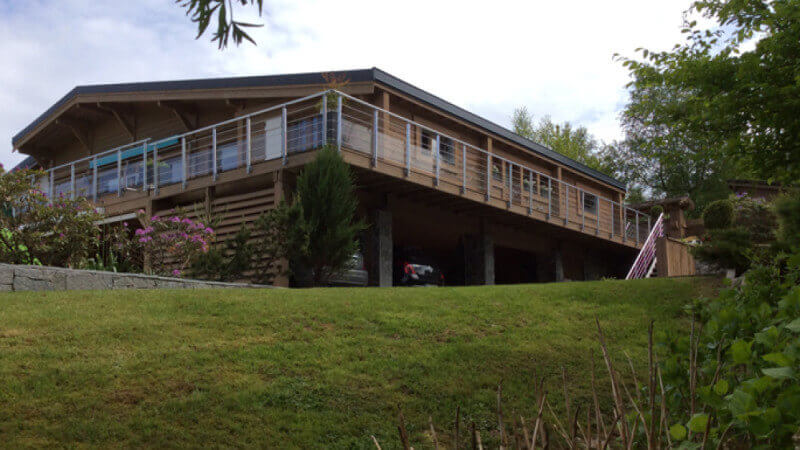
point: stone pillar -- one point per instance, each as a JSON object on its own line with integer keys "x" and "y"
{"x": 380, "y": 252}
{"x": 479, "y": 258}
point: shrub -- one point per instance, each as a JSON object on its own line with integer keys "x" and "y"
{"x": 788, "y": 210}
{"x": 280, "y": 233}
{"x": 718, "y": 214}
{"x": 170, "y": 244}
{"x": 656, "y": 211}
{"x": 728, "y": 248}
{"x": 37, "y": 229}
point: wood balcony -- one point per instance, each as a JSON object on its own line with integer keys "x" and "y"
{"x": 368, "y": 137}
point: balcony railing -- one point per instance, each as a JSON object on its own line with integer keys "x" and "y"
{"x": 355, "y": 126}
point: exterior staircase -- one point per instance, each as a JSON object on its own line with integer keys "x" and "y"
{"x": 645, "y": 264}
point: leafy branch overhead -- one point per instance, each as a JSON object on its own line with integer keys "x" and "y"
{"x": 202, "y": 12}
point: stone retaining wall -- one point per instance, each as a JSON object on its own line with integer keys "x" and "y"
{"x": 41, "y": 278}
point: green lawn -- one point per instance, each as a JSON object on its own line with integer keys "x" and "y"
{"x": 303, "y": 368}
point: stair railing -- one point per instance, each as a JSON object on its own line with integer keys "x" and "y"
{"x": 647, "y": 255}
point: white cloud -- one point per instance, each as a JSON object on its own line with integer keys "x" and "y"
{"x": 489, "y": 57}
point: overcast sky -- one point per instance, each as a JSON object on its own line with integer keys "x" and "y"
{"x": 555, "y": 57}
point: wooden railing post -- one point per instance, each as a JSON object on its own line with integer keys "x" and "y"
{"x": 637, "y": 228}
{"x": 488, "y": 176}
{"x": 52, "y": 193}
{"x": 549, "y": 197}
{"x": 566, "y": 204}
{"x": 612, "y": 220}
{"x": 582, "y": 209}
{"x": 597, "y": 202}
{"x": 530, "y": 192}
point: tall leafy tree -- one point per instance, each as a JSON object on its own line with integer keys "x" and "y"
{"x": 727, "y": 99}
{"x": 571, "y": 141}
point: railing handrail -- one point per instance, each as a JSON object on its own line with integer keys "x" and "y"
{"x": 485, "y": 152}
{"x": 624, "y": 211}
{"x": 648, "y": 243}
{"x": 97, "y": 155}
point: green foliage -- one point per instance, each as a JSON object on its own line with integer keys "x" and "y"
{"x": 37, "y": 229}
{"x": 257, "y": 251}
{"x": 718, "y": 100}
{"x": 281, "y": 234}
{"x": 656, "y": 211}
{"x": 718, "y": 214}
{"x": 748, "y": 360}
{"x": 574, "y": 142}
{"x": 170, "y": 245}
{"x": 326, "y": 203}
{"x": 739, "y": 231}
{"x": 788, "y": 210}
{"x": 202, "y": 13}
{"x": 729, "y": 248}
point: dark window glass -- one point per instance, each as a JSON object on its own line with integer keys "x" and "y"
{"x": 590, "y": 203}
{"x": 447, "y": 150}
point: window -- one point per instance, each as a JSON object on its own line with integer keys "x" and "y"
{"x": 589, "y": 203}
{"x": 447, "y": 150}
{"x": 426, "y": 142}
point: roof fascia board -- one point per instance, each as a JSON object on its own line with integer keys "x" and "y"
{"x": 436, "y": 102}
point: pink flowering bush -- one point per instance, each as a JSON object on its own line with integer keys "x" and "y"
{"x": 35, "y": 229}
{"x": 170, "y": 244}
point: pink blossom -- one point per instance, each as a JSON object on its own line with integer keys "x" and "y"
{"x": 175, "y": 219}
{"x": 176, "y": 272}
{"x": 208, "y": 230}
{"x": 155, "y": 218}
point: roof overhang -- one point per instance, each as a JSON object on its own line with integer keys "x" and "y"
{"x": 270, "y": 85}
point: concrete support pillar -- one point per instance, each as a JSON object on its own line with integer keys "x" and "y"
{"x": 380, "y": 252}
{"x": 559, "y": 263}
{"x": 479, "y": 257}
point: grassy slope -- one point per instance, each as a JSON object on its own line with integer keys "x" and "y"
{"x": 302, "y": 367}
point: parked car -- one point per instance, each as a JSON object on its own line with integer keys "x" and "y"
{"x": 414, "y": 268}
{"x": 354, "y": 275}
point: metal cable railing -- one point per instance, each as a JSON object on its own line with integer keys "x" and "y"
{"x": 332, "y": 117}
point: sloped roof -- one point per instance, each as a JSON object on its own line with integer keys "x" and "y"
{"x": 361, "y": 75}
